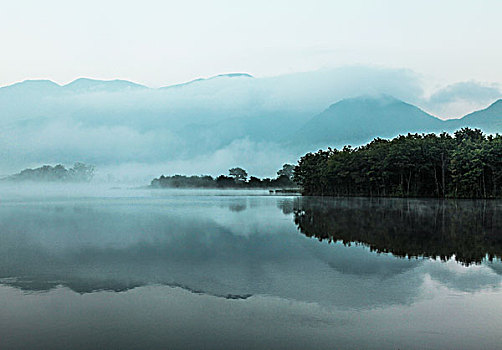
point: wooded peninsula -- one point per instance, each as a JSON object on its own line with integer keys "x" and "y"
{"x": 467, "y": 164}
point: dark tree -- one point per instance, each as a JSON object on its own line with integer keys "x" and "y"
{"x": 238, "y": 174}
{"x": 287, "y": 170}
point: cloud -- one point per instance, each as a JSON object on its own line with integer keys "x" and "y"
{"x": 458, "y": 99}
{"x": 469, "y": 90}
{"x": 202, "y": 127}
{"x": 261, "y": 159}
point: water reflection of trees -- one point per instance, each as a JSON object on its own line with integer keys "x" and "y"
{"x": 469, "y": 230}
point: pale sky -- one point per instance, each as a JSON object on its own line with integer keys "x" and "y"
{"x": 164, "y": 42}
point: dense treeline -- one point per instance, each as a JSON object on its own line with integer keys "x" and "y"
{"x": 80, "y": 172}
{"x": 469, "y": 231}
{"x": 237, "y": 178}
{"x": 465, "y": 165}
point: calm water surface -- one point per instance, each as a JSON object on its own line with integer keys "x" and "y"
{"x": 140, "y": 269}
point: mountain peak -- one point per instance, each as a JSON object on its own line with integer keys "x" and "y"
{"x": 496, "y": 104}
{"x": 89, "y": 85}
{"x": 34, "y": 83}
{"x": 488, "y": 119}
{"x": 368, "y": 102}
{"x": 232, "y": 75}
{"x": 215, "y": 77}
{"x": 360, "y": 119}
{"x": 377, "y": 98}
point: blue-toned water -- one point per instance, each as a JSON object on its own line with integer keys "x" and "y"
{"x": 144, "y": 269}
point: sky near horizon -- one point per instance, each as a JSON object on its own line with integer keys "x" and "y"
{"x": 158, "y": 43}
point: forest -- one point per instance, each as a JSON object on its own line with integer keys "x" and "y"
{"x": 467, "y": 164}
{"x": 237, "y": 178}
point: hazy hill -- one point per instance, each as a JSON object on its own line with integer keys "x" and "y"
{"x": 488, "y": 119}
{"x": 93, "y": 85}
{"x": 117, "y": 121}
{"x": 358, "y": 120}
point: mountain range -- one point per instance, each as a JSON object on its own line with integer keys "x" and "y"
{"x": 227, "y": 116}
{"x": 359, "y": 120}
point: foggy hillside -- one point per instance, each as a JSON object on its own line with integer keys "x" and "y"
{"x": 359, "y": 120}
{"x": 488, "y": 119}
{"x": 205, "y": 126}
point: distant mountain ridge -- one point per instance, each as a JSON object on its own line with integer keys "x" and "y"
{"x": 89, "y": 84}
{"x": 230, "y": 116}
{"x": 488, "y": 119}
{"x": 219, "y": 76}
{"x": 358, "y": 120}
{"x": 352, "y": 120}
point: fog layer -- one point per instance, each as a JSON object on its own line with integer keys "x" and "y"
{"x": 132, "y": 132}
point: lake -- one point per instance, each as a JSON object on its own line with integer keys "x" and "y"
{"x": 186, "y": 269}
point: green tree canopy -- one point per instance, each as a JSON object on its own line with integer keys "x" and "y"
{"x": 467, "y": 164}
